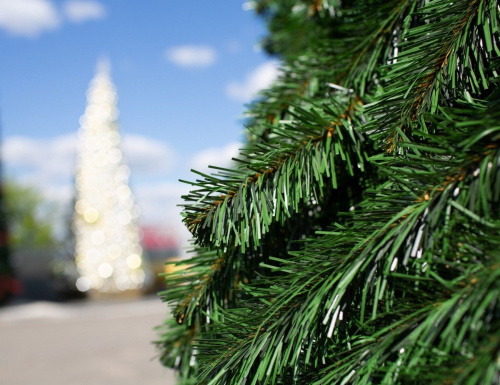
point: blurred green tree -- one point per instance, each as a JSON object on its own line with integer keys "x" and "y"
{"x": 29, "y": 216}
{"x": 358, "y": 242}
{"x": 8, "y": 284}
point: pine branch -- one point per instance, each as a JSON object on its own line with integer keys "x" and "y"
{"x": 352, "y": 59}
{"x": 377, "y": 47}
{"x": 293, "y": 315}
{"x": 176, "y": 344}
{"x": 293, "y": 168}
{"x": 419, "y": 83}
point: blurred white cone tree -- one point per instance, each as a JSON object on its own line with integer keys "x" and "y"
{"x": 108, "y": 253}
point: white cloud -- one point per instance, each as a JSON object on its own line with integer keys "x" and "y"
{"x": 249, "y": 5}
{"x": 147, "y": 156}
{"x": 259, "y": 79}
{"x": 160, "y": 200}
{"x": 159, "y": 203}
{"x": 53, "y": 160}
{"x": 28, "y": 18}
{"x": 29, "y": 157}
{"x": 191, "y": 56}
{"x": 220, "y": 157}
{"x": 49, "y": 164}
{"x": 79, "y": 11}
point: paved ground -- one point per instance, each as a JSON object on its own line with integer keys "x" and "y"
{"x": 81, "y": 343}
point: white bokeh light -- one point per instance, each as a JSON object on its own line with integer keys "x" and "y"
{"x": 109, "y": 256}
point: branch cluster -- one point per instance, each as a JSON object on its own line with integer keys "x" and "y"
{"x": 357, "y": 238}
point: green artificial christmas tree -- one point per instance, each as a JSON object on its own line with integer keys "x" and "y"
{"x": 358, "y": 240}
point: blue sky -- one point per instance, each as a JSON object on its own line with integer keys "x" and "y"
{"x": 183, "y": 71}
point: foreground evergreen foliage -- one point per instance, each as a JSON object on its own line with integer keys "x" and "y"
{"x": 358, "y": 238}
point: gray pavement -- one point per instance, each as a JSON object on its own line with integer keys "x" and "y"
{"x": 82, "y": 343}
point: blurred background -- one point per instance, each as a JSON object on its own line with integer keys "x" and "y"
{"x": 183, "y": 72}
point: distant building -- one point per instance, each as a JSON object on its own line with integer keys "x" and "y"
{"x": 160, "y": 245}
